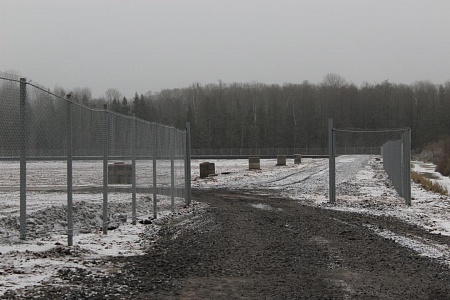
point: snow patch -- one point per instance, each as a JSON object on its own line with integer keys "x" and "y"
{"x": 421, "y": 246}
{"x": 261, "y": 206}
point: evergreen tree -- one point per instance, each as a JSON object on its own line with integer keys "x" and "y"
{"x": 125, "y": 108}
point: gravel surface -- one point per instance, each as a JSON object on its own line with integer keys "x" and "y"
{"x": 246, "y": 246}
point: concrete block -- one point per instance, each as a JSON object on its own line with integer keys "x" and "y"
{"x": 254, "y": 163}
{"x": 119, "y": 173}
{"x": 206, "y": 169}
{"x": 281, "y": 160}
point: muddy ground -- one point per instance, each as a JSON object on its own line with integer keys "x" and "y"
{"x": 245, "y": 246}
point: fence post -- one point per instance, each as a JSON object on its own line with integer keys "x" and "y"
{"x": 331, "y": 162}
{"x": 105, "y": 168}
{"x": 187, "y": 164}
{"x": 133, "y": 171}
{"x": 155, "y": 154}
{"x": 407, "y": 165}
{"x": 23, "y": 158}
{"x": 69, "y": 173}
{"x": 172, "y": 135}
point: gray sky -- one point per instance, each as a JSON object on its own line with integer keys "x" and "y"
{"x": 143, "y": 45}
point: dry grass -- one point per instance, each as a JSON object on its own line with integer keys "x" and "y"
{"x": 428, "y": 184}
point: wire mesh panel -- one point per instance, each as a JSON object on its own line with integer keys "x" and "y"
{"x": 355, "y": 150}
{"x": 179, "y": 164}
{"x": 163, "y": 167}
{"x": 10, "y": 147}
{"x": 46, "y": 119}
{"x": 82, "y": 168}
{"x": 9, "y": 115}
{"x": 87, "y": 132}
{"x": 121, "y": 137}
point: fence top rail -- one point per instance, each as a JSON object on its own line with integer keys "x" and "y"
{"x": 372, "y": 130}
{"x": 9, "y": 79}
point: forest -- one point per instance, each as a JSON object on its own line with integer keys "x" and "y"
{"x": 294, "y": 115}
{"x": 256, "y": 115}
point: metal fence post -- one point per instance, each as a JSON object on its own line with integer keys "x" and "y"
{"x": 331, "y": 162}
{"x": 23, "y": 158}
{"x": 407, "y": 165}
{"x": 105, "y": 168}
{"x": 155, "y": 153}
{"x": 187, "y": 164}
{"x": 172, "y": 134}
{"x": 133, "y": 171}
{"x": 69, "y": 173}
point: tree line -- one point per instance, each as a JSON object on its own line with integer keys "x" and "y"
{"x": 256, "y": 115}
{"x": 295, "y": 115}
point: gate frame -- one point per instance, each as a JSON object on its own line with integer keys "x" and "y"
{"x": 405, "y": 163}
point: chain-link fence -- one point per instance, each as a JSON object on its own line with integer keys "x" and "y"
{"x": 273, "y": 152}
{"x": 352, "y": 149}
{"x": 270, "y": 152}
{"x": 85, "y": 168}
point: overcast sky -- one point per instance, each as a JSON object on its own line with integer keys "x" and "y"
{"x": 149, "y": 45}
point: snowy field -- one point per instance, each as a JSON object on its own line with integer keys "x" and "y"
{"x": 44, "y": 252}
{"x": 362, "y": 187}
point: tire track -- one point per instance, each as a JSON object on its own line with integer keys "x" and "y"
{"x": 310, "y": 172}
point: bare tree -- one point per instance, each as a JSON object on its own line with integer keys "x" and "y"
{"x": 112, "y": 94}
{"x": 60, "y": 91}
{"x": 82, "y": 95}
{"x": 334, "y": 80}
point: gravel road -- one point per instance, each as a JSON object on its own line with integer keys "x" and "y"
{"x": 245, "y": 246}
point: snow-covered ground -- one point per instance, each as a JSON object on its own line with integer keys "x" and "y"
{"x": 44, "y": 252}
{"x": 362, "y": 187}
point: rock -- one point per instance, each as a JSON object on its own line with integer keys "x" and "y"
{"x": 113, "y": 226}
{"x": 145, "y": 221}
{"x": 31, "y": 221}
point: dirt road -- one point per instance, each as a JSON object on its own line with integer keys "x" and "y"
{"x": 263, "y": 247}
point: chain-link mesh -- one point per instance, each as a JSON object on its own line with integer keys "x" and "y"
{"x": 357, "y": 149}
{"x": 10, "y": 115}
{"x": 46, "y": 119}
{"x": 35, "y": 128}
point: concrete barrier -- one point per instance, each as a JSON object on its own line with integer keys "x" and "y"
{"x": 297, "y": 159}
{"x": 119, "y": 173}
{"x": 281, "y": 160}
{"x": 254, "y": 163}
{"x": 207, "y": 168}
{"x": 211, "y": 168}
